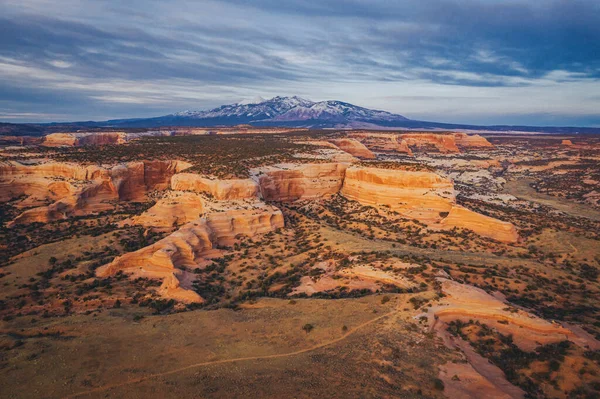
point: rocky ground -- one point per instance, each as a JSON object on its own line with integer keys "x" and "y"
{"x": 359, "y": 264}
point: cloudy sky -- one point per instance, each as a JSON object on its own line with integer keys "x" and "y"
{"x": 471, "y": 61}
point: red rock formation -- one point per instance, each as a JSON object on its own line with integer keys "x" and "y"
{"x": 220, "y": 189}
{"x": 191, "y": 243}
{"x": 566, "y": 142}
{"x": 466, "y": 302}
{"x": 80, "y": 139}
{"x": 87, "y": 189}
{"x": 354, "y": 147}
{"x": 382, "y": 142}
{"x": 421, "y": 195}
{"x": 175, "y": 209}
{"x": 402, "y": 146}
{"x": 443, "y": 142}
{"x": 291, "y": 182}
{"x": 464, "y": 140}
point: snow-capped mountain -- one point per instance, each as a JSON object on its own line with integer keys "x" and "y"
{"x": 289, "y": 111}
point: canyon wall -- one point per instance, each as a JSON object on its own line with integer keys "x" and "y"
{"x": 81, "y": 139}
{"x": 78, "y": 190}
{"x": 291, "y": 182}
{"x": 191, "y": 243}
{"x": 420, "y": 195}
{"x": 475, "y": 140}
{"x": 232, "y": 189}
{"x": 175, "y": 209}
{"x": 354, "y": 147}
{"x": 443, "y": 142}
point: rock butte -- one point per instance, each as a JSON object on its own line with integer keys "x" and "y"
{"x": 420, "y": 195}
{"x": 443, "y": 142}
{"x": 232, "y": 189}
{"x": 175, "y": 209}
{"x": 193, "y": 242}
{"x": 291, "y": 182}
{"x": 425, "y": 196}
{"x": 86, "y": 189}
{"x": 464, "y": 140}
{"x": 354, "y": 147}
{"x": 80, "y": 139}
{"x": 566, "y": 142}
{"x": 382, "y": 142}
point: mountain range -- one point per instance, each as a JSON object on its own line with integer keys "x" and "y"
{"x": 288, "y": 111}
{"x": 285, "y": 112}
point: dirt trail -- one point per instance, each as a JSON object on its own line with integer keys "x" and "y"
{"x": 239, "y": 359}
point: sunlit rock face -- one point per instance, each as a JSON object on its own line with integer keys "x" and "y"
{"x": 291, "y": 182}
{"x": 185, "y": 247}
{"x": 475, "y": 140}
{"x": 78, "y": 190}
{"x": 174, "y": 209}
{"x": 220, "y": 189}
{"x": 421, "y": 195}
{"x": 354, "y": 147}
{"x": 443, "y": 142}
{"x": 80, "y": 139}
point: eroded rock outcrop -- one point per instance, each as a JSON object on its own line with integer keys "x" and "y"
{"x": 482, "y": 225}
{"x": 382, "y": 142}
{"x": 77, "y": 189}
{"x": 475, "y": 140}
{"x": 220, "y": 189}
{"x": 80, "y": 139}
{"x": 566, "y": 142}
{"x": 291, "y": 182}
{"x": 443, "y": 142}
{"x": 175, "y": 209}
{"x": 466, "y": 302}
{"x": 421, "y": 195}
{"x": 191, "y": 243}
{"x": 354, "y": 147}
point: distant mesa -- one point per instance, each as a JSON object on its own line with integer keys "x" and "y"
{"x": 567, "y": 142}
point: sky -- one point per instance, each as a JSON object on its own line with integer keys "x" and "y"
{"x": 534, "y": 62}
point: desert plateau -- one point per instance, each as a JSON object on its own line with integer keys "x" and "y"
{"x": 257, "y": 263}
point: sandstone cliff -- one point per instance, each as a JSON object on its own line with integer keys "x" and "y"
{"x": 232, "y": 189}
{"x": 464, "y": 140}
{"x": 566, "y": 142}
{"x": 175, "y": 209}
{"x": 354, "y": 147}
{"x": 443, "y": 142}
{"x": 189, "y": 244}
{"x": 78, "y": 190}
{"x": 420, "y": 195}
{"x": 80, "y": 139}
{"x": 291, "y": 182}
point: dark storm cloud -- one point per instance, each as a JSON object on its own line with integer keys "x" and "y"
{"x": 93, "y": 53}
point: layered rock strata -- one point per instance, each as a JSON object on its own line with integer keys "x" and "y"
{"x": 191, "y": 243}
{"x": 232, "y": 189}
{"x": 75, "y": 190}
{"x": 291, "y": 182}
{"x": 420, "y": 195}
{"x": 354, "y": 147}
